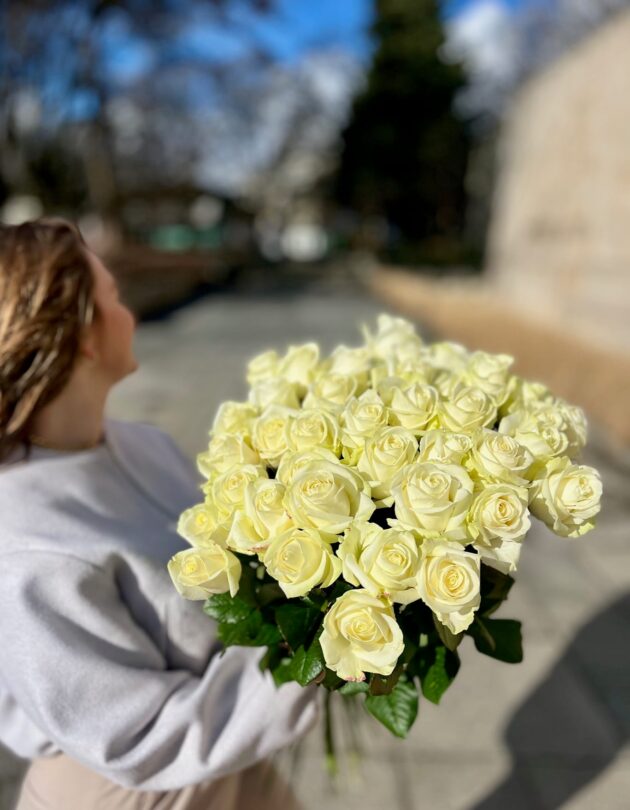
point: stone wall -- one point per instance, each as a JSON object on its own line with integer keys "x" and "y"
{"x": 560, "y": 235}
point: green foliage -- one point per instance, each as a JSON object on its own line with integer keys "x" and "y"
{"x": 283, "y": 671}
{"x": 352, "y": 688}
{"x": 260, "y": 615}
{"x": 415, "y": 621}
{"x": 495, "y": 588}
{"x": 498, "y": 638}
{"x": 250, "y": 632}
{"x": 384, "y": 684}
{"x": 450, "y": 640}
{"x": 405, "y": 152}
{"x": 330, "y": 680}
{"x": 436, "y": 667}
{"x": 227, "y": 609}
{"x": 298, "y": 621}
{"x": 397, "y": 710}
{"x": 307, "y": 664}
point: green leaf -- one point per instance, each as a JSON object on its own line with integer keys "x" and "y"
{"x": 396, "y": 711}
{"x": 498, "y": 638}
{"x": 436, "y": 667}
{"x": 297, "y": 621}
{"x": 306, "y": 665}
{"x": 383, "y": 685}
{"x": 247, "y": 583}
{"x": 269, "y": 592}
{"x": 251, "y": 632}
{"x": 316, "y": 598}
{"x": 354, "y": 688}
{"x": 495, "y": 588}
{"x": 448, "y": 639}
{"x": 414, "y": 620}
{"x": 338, "y": 589}
{"x": 330, "y": 680}
{"x": 227, "y": 609}
{"x": 282, "y": 672}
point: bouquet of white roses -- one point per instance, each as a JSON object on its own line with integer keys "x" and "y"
{"x": 363, "y": 512}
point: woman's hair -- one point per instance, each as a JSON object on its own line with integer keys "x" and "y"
{"x": 46, "y": 298}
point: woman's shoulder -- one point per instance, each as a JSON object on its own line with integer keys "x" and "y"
{"x": 138, "y": 475}
{"x": 154, "y": 460}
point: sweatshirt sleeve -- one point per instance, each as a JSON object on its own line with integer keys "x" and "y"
{"x": 91, "y": 678}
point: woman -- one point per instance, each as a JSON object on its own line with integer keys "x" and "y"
{"x": 109, "y": 680}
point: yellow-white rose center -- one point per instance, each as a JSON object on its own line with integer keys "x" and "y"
{"x": 291, "y": 560}
{"x": 577, "y": 490}
{"x": 190, "y": 566}
{"x": 318, "y": 487}
{"x": 361, "y": 628}
{"x": 454, "y": 581}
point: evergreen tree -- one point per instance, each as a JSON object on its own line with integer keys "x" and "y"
{"x": 404, "y": 152}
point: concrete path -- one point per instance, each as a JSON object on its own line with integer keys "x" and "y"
{"x": 550, "y": 733}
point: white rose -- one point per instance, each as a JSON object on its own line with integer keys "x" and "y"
{"x": 291, "y": 462}
{"x": 394, "y": 337}
{"x": 198, "y": 525}
{"x": 197, "y": 573}
{"x": 226, "y": 493}
{"x": 361, "y": 635}
{"x": 313, "y": 428}
{"x": 448, "y": 582}
{"x": 413, "y": 373}
{"x": 331, "y": 392}
{"x": 360, "y": 419}
{"x": 385, "y": 454}
{"x": 262, "y": 518}
{"x": 498, "y": 521}
{"x": 263, "y": 367}
{"x": 275, "y": 391}
{"x": 540, "y": 430}
{"x": 350, "y": 362}
{"x": 413, "y": 407}
{"x": 224, "y": 452}
{"x": 328, "y": 497}
{"x": 566, "y": 497}
{"x": 432, "y": 499}
{"x": 446, "y": 383}
{"x": 498, "y": 457}
{"x": 445, "y": 355}
{"x": 468, "y": 409}
{"x": 300, "y": 560}
{"x": 385, "y": 387}
{"x": 234, "y": 418}
{"x": 300, "y": 363}
{"x": 444, "y": 446}
{"x": 523, "y": 394}
{"x": 490, "y": 372}
{"x": 270, "y": 433}
{"x": 383, "y": 561}
{"x": 575, "y": 427}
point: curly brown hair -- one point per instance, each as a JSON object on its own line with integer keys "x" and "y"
{"x": 46, "y": 299}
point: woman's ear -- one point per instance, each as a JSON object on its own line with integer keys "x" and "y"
{"x": 88, "y": 343}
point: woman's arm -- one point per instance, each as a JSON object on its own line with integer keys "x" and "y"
{"x": 92, "y": 679}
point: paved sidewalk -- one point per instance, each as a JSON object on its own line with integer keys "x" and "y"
{"x": 550, "y": 733}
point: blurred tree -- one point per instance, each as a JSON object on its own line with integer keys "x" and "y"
{"x": 79, "y": 75}
{"x": 404, "y": 155}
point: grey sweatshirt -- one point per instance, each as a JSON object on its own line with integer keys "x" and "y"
{"x": 99, "y": 655}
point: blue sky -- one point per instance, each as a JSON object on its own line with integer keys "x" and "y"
{"x": 455, "y": 6}
{"x": 303, "y": 24}
{"x": 294, "y": 28}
